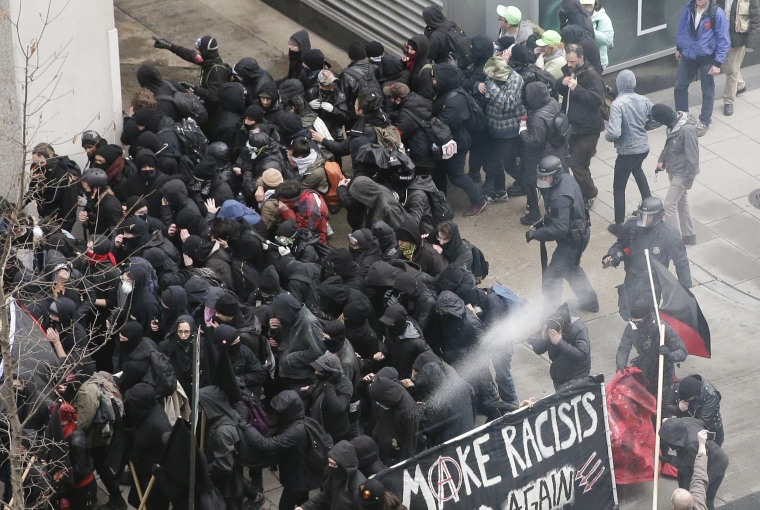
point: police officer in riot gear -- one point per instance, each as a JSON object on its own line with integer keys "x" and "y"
{"x": 567, "y": 222}
{"x": 646, "y": 231}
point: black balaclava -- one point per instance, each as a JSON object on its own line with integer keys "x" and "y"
{"x": 337, "y": 333}
{"x": 133, "y": 330}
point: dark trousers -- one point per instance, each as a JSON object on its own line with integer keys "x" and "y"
{"x": 582, "y": 149}
{"x": 452, "y": 169}
{"x": 291, "y": 499}
{"x": 625, "y": 165}
{"x": 503, "y": 155}
{"x": 478, "y": 154}
{"x": 688, "y": 70}
{"x": 110, "y": 481}
{"x": 565, "y": 265}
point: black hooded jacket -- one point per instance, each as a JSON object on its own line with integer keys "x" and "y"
{"x": 296, "y": 57}
{"x": 413, "y": 110}
{"x": 226, "y": 121}
{"x": 436, "y": 30}
{"x": 368, "y": 251}
{"x": 149, "y": 77}
{"x": 425, "y": 256}
{"x": 451, "y": 106}
{"x": 397, "y": 418}
{"x": 542, "y": 109}
{"x": 571, "y": 357}
{"x": 252, "y": 76}
{"x": 455, "y": 251}
{"x": 446, "y": 407}
{"x": 482, "y": 50}
{"x": 353, "y": 79}
{"x": 213, "y": 73}
{"x": 458, "y": 328}
{"x": 421, "y": 75}
{"x": 222, "y": 438}
{"x": 571, "y": 12}
{"x": 368, "y": 454}
{"x": 342, "y": 484}
{"x": 328, "y": 397}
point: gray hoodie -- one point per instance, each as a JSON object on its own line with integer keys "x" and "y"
{"x": 630, "y": 117}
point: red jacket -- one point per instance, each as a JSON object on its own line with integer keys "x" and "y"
{"x": 310, "y": 212}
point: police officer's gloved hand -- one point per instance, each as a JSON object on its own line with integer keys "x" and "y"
{"x": 162, "y": 44}
{"x": 187, "y": 85}
{"x": 530, "y": 235}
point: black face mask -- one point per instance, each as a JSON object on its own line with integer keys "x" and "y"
{"x": 333, "y": 345}
{"x": 148, "y": 174}
{"x": 235, "y": 348}
{"x": 249, "y": 127}
{"x": 56, "y": 325}
{"x": 143, "y": 216}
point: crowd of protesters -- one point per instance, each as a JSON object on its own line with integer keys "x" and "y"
{"x": 206, "y": 236}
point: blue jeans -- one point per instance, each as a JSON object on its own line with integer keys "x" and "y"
{"x": 688, "y": 70}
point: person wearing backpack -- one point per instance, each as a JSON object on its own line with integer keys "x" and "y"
{"x": 149, "y": 77}
{"x": 328, "y": 396}
{"x": 410, "y": 111}
{"x": 248, "y": 72}
{"x": 702, "y": 45}
{"x": 451, "y": 247}
{"x": 437, "y": 31}
{"x": 452, "y": 107}
{"x": 150, "y": 120}
{"x": 540, "y": 138}
{"x": 133, "y": 356}
{"x": 390, "y": 67}
{"x": 630, "y": 118}
{"x": 213, "y": 71}
{"x": 359, "y": 76}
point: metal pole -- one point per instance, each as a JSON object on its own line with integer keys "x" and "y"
{"x": 194, "y": 420}
{"x": 661, "y": 365}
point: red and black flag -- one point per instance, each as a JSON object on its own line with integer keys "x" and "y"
{"x": 679, "y": 308}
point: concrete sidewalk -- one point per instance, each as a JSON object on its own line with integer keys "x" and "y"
{"x": 725, "y": 262}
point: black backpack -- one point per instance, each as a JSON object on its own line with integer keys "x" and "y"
{"x": 477, "y": 121}
{"x": 559, "y": 130}
{"x": 245, "y": 277}
{"x": 366, "y": 80}
{"x": 437, "y": 132}
{"x": 532, "y": 73}
{"x": 194, "y": 142}
{"x": 186, "y": 103}
{"x": 320, "y": 443}
{"x": 440, "y": 208}
{"x": 161, "y": 374}
{"x": 460, "y": 46}
{"x": 480, "y": 265}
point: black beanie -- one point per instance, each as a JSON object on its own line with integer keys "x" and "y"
{"x": 641, "y": 309}
{"x": 405, "y": 235}
{"x": 664, "y": 114}
{"x": 372, "y": 495}
{"x": 269, "y": 281}
{"x": 225, "y": 334}
{"x": 290, "y": 89}
{"x": 314, "y": 59}
{"x": 522, "y": 55}
{"x": 144, "y": 116}
{"x": 227, "y": 304}
{"x": 197, "y": 248}
{"x": 357, "y": 51}
{"x": 255, "y": 112}
{"x": 689, "y": 387}
{"x": 336, "y": 330}
{"x": 145, "y": 157}
{"x": 291, "y": 126}
{"x": 205, "y": 170}
{"x": 374, "y": 49}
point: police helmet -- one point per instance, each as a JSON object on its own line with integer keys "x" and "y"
{"x": 550, "y": 166}
{"x": 650, "y": 212}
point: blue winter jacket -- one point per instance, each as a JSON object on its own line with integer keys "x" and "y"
{"x": 707, "y": 41}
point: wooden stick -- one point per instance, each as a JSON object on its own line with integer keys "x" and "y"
{"x": 203, "y": 430}
{"x": 134, "y": 477}
{"x": 24, "y": 475}
{"x": 148, "y": 489}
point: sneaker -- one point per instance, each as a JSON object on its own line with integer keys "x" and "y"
{"x": 702, "y": 129}
{"x": 741, "y": 90}
{"x": 475, "y": 176}
{"x": 515, "y": 191}
{"x": 530, "y": 219}
{"x": 728, "y": 109}
{"x": 615, "y": 229}
{"x": 475, "y": 209}
{"x": 497, "y": 196}
{"x": 689, "y": 240}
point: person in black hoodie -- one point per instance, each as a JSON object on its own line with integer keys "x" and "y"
{"x": 398, "y": 420}
{"x": 67, "y": 329}
{"x": 140, "y": 302}
{"x": 53, "y": 186}
{"x": 458, "y": 328}
{"x": 269, "y": 100}
{"x": 178, "y": 345}
{"x": 451, "y": 107}
{"x": 176, "y": 199}
{"x": 364, "y": 249}
{"x": 213, "y": 74}
{"x": 437, "y": 29}
{"x": 222, "y": 438}
{"x": 149, "y": 423}
{"x": 360, "y": 334}
{"x": 134, "y": 356}
{"x": 410, "y": 111}
{"x": 415, "y": 297}
{"x": 313, "y": 63}
{"x": 368, "y": 454}
{"x": 359, "y": 76}
{"x": 571, "y": 12}
{"x": 298, "y": 44}
{"x": 117, "y": 167}
{"x": 173, "y": 302}
{"x": 287, "y": 447}
{"x": 207, "y": 181}
{"x": 403, "y": 341}
{"x": 149, "y": 77}
{"x": 482, "y": 50}
{"x": 248, "y": 72}
{"x": 102, "y": 212}
{"x": 339, "y": 489}
{"x": 149, "y": 120}
{"x": 419, "y": 66}
{"x": 200, "y": 252}
{"x": 224, "y": 125}
{"x": 166, "y": 160}
{"x": 248, "y": 372}
{"x": 542, "y": 109}
{"x": 390, "y": 67}
{"x": 328, "y": 396}
{"x": 414, "y": 249}
{"x": 147, "y": 181}
{"x": 452, "y": 247}
{"x": 333, "y": 296}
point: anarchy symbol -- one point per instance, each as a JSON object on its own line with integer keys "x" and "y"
{"x": 446, "y": 486}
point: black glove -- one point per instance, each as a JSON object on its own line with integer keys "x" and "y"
{"x": 530, "y": 235}
{"x": 162, "y": 44}
{"x": 664, "y": 351}
{"x": 187, "y": 85}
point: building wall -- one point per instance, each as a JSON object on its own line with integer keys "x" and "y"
{"x": 76, "y": 84}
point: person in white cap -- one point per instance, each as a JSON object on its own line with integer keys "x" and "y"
{"x": 511, "y": 24}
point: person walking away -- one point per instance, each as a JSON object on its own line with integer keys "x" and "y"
{"x": 630, "y": 117}
{"x": 702, "y": 45}
{"x": 680, "y": 159}
{"x": 604, "y": 34}
{"x": 583, "y": 91}
{"x": 744, "y": 33}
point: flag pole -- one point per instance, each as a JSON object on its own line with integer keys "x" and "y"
{"x": 194, "y": 420}
{"x": 660, "y": 368}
